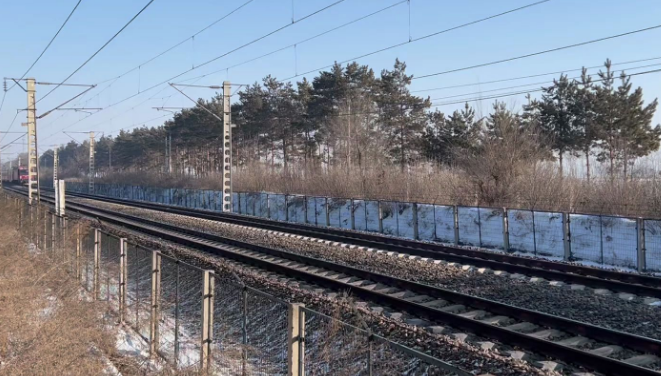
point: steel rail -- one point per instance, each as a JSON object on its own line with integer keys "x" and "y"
{"x": 236, "y": 250}
{"x": 642, "y": 285}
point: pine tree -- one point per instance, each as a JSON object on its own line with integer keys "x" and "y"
{"x": 402, "y": 115}
{"x": 557, "y": 114}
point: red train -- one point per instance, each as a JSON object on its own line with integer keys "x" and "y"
{"x": 19, "y": 175}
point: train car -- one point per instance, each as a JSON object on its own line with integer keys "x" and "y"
{"x": 19, "y": 175}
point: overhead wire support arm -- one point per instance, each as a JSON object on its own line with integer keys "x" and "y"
{"x": 174, "y": 86}
{"x": 60, "y": 106}
{"x": 226, "y": 121}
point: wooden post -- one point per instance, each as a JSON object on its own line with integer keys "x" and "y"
{"x": 207, "y": 319}
{"x": 123, "y": 276}
{"x": 455, "y": 214}
{"x": 296, "y": 340}
{"x": 506, "y": 231}
{"x": 97, "y": 261}
{"x": 642, "y": 257}
{"x": 566, "y": 235}
{"x": 155, "y": 302}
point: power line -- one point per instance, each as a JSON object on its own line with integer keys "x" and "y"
{"x": 49, "y": 43}
{"x": 531, "y": 76}
{"x": 180, "y": 43}
{"x": 293, "y": 45}
{"x": 9, "y": 128}
{"x": 227, "y": 53}
{"x": 423, "y": 37}
{"x": 538, "y": 53}
{"x": 99, "y": 50}
{"x": 538, "y": 83}
{"x": 526, "y": 91}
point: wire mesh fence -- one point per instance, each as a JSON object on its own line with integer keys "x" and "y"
{"x": 223, "y": 328}
{"x": 138, "y": 291}
{"x": 180, "y": 320}
{"x": 334, "y": 347}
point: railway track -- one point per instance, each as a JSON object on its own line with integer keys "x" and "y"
{"x": 596, "y": 348}
{"x": 642, "y": 285}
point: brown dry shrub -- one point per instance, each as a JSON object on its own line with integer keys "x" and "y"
{"x": 46, "y": 329}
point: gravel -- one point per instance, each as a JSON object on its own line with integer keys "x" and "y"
{"x": 582, "y": 305}
{"x": 464, "y": 355}
{"x": 607, "y": 311}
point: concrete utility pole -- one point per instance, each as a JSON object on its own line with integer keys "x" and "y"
{"x": 90, "y": 188}
{"x": 56, "y": 162}
{"x": 33, "y": 157}
{"x": 227, "y": 137}
{"x": 227, "y": 148}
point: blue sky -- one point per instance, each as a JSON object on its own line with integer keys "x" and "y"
{"x": 28, "y": 26}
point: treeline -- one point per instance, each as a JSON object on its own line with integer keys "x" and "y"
{"x": 351, "y": 117}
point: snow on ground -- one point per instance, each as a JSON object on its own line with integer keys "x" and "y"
{"x": 604, "y": 241}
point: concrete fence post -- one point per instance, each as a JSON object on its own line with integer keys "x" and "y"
{"x": 416, "y": 231}
{"x": 642, "y": 257}
{"x": 20, "y": 218}
{"x": 566, "y": 235}
{"x": 353, "y": 214}
{"x": 46, "y": 226}
{"x": 155, "y": 303}
{"x": 286, "y": 208}
{"x": 79, "y": 271}
{"x": 380, "y": 212}
{"x": 65, "y": 233}
{"x": 123, "y": 278}
{"x": 208, "y": 293}
{"x": 296, "y": 340}
{"x": 305, "y": 208}
{"x": 455, "y": 215}
{"x": 97, "y": 261}
{"x": 268, "y": 206}
{"x": 327, "y": 208}
{"x": 52, "y": 232}
{"x": 506, "y": 230}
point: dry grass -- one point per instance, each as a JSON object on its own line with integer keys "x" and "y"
{"x": 45, "y": 329}
{"x": 538, "y": 186}
{"x": 47, "y": 325}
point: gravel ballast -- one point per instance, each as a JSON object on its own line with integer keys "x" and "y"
{"x": 461, "y": 354}
{"x": 583, "y": 305}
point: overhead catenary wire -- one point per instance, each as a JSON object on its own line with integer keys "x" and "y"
{"x": 100, "y": 49}
{"x": 539, "y": 83}
{"x": 532, "y": 76}
{"x": 9, "y": 128}
{"x": 138, "y": 67}
{"x": 423, "y": 37}
{"x": 539, "y": 52}
{"x": 226, "y": 54}
{"x": 294, "y": 45}
{"x": 49, "y": 43}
